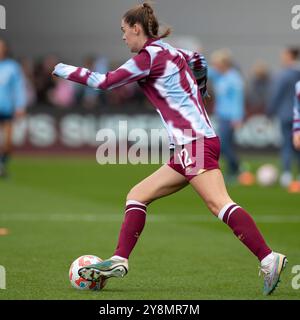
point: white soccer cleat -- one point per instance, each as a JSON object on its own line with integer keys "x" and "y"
{"x": 113, "y": 267}
{"x": 272, "y": 271}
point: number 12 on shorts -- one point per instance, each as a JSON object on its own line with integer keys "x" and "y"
{"x": 184, "y": 158}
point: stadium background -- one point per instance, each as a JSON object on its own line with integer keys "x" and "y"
{"x": 69, "y": 206}
{"x": 74, "y": 30}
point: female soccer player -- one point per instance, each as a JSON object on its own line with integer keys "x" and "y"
{"x": 296, "y": 126}
{"x": 12, "y": 102}
{"x": 173, "y": 80}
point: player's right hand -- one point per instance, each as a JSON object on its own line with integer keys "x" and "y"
{"x": 58, "y": 69}
{"x": 296, "y": 140}
{"x": 63, "y": 70}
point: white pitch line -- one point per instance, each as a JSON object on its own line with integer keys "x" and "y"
{"x": 70, "y": 217}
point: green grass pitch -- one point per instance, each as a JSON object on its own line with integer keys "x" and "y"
{"x": 57, "y": 209}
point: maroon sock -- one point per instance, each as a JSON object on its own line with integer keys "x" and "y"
{"x": 245, "y": 229}
{"x": 132, "y": 227}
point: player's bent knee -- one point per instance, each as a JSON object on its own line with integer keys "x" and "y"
{"x": 216, "y": 205}
{"x": 137, "y": 195}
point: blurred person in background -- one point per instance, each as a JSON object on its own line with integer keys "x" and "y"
{"x": 28, "y": 71}
{"x": 258, "y": 88}
{"x": 62, "y": 95}
{"x": 12, "y": 102}
{"x": 42, "y": 77}
{"x": 295, "y": 185}
{"x": 296, "y": 126}
{"x": 228, "y": 89}
{"x": 281, "y": 103}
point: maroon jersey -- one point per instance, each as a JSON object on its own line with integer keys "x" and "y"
{"x": 169, "y": 77}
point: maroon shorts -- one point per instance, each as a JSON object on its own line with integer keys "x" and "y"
{"x": 194, "y": 158}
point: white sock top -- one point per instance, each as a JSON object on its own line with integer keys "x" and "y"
{"x": 267, "y": 260}
{"x": 224, "y": 209}
{"x": 129, "y": 202}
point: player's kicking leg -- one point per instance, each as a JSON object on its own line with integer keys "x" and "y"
{"x": 161, "y": 183}
{"x": 210, "y": 186}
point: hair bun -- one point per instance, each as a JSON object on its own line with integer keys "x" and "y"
{"x": 148, "y": 7}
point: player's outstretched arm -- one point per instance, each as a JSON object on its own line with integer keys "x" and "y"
{"x": 134, "y": 69}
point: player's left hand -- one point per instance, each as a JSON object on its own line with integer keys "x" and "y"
{"x": 296, "y": 140}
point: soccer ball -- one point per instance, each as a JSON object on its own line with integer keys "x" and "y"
{"x": 267, "y": 175}
{"x": 79, "y": 283}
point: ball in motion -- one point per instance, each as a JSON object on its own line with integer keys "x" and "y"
{"x": 80, "y": 283}
{"x": 267, "y": 175}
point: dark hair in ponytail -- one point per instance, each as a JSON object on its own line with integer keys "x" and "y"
{"x": 144, "y": 15}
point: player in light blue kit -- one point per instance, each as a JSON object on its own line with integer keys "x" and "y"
{"x": 229, "y": 107}
{"x": 296, "y": 125}
{"x": 12, "y": 102}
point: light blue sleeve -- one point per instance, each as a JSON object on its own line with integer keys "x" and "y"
{"x": 19, "y": 90}
{"x": 236, "y": 94}
{"x": 212, "y": 74}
